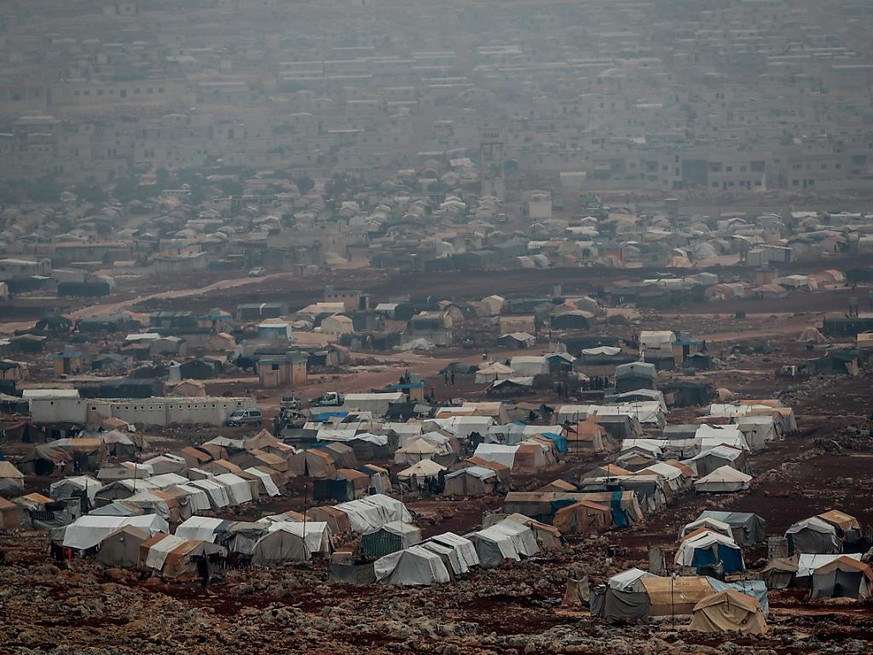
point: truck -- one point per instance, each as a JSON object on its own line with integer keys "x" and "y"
{"x": 329, "y": 399}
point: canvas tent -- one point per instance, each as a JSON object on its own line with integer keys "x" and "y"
{"x": 494, "y": 372}
{"x": 747, "y": 528}
{"x": 729, "y": 611}
{"x": 711, "y": 524}
{"x": 421, "y": 471}
{"x": 813, "y": 535}
{"x": 848, "y": 527}
{"x": 679, "y": 595}
{"x": 459, "y": 551}
{"x": 471, "y": 481}
{"x": 710, "y": 549}
{"x": 201, "y": 528}
{"x": 218, "y": 496}
{"x": 88, "y": 531}
{"x": 583, "y": 517}
{"x": 390, "y": 538}
{"x": 11, "y": 479}
{"x": 412, "y": 566}
{"x": 630, "y": 580}
{"x": 725, "y": 479}
{"x": 287, "y": 542}
{"x": 843, "y": 578}
{"x": 506, "y": 540}
{"x": 77, "y": 485}
{"x": 780, "y": 572}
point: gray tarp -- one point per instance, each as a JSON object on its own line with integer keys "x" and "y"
{"x": 619, "y": 606}
{"x": 747, "y": 528}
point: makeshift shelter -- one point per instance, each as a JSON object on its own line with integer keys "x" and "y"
{"x": 669, "y": 596}
{"x": 747, "y": 528}
{"x": 121, "y": 548}
{"x": 710, "y": 549}
{"x": 729, "y": 611}
{"x": 412, "y": 566}
{"x": 390, "y": 538}
{"x": 583, "y": 518}
{"x": 725, "y": 479}
{"x": 843, "y": 578}
{"x": 506, "y": 540}
{"x": 317, "y": 534}
{"x": 589, "y": 436}
{"x": 813, "y": 535}
{"x": 471, "y": 481}
{"x": 11, "y": 479}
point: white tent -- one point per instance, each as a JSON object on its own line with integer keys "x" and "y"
{"x": 66, "y": 487}
{"x": 809, "y": 562}
{"x": 417, "y": 450}
{"x": 709, "y": 523}
{"x": 89, "y": 530}
{"x": 198, "y": 498}
{"x": 371, "y": 513}
{"x": 238, "y": 489}
{"x": 497, "y": 453}
{"x": 218, "y": 497}
{"x": 724, "y": 479}
{"x": 200, "y": 528}
{"x": 504, "y": 540}
{"x": 266, "y": 479}
{"x": 165, "y": 480}
{"x": 729, "y": 553}
{"x": 493, "y": 372}
{"x": 525, "y": 365}
{"x": 460, "y": 427}
{"x": 629, "y": 580}
{"x": 412, "y": 566}
{"x": 421, "y": 470}
{"x": 157, "y": 553}
{"x": 459, "y": 551}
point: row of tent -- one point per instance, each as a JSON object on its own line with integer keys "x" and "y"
{"x": 445, "y": 557}
{"x": 827, "y": 576}
{"x": 715, "y": 606}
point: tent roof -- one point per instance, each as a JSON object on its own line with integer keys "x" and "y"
{"x": 725, "y": 474}
{"x": 729, "y": 596}
{"x": 847, "y": 564}
{"x": 842, "y": 520}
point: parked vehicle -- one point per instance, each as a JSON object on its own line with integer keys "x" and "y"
{"x": 290, "y": 402}
{"x": 330, "y": 399}
{"x": 245, "y": 417}
{"x": 258, "y": 271}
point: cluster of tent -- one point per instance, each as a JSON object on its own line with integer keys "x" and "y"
{"x": 447, "y": 556}
{"x": 825, "y": 533}
{"x": 715, "y": 606}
